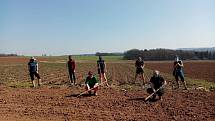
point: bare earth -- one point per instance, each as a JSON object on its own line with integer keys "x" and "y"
{"x": 57, "y": 101}
{"x": 62, "y": 104}
{"x": 195, "y": 69}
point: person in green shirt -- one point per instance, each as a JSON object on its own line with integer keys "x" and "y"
{"x": 91, "y": 83}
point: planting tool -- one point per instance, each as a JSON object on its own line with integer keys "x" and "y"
{"x": 89, "y": 90}
{"x": 154, "y": 92}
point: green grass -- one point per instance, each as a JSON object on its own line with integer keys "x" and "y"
{"x": 94, "y": 58}
{"x": 202, "y": 83}
{"x": 192, "y": 82}
{"x": 80, "y": 58}
{"x": 18, "y": 84}
{"x": 16, "y": 79}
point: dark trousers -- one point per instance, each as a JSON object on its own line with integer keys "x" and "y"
{"x": 159, "y": 92}
{"x": 179, "y": 74}
{"x": 72, "y": 76}
{"x": 32, "y": 75}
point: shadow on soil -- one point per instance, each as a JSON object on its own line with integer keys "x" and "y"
{"x": 77, "y": 95}
{"x": 143, "y": 99}
{"x": 137, "y": 99}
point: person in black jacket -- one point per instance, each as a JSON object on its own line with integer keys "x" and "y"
{"x": 101, "y": 71}
{"x": 139, "y": 64}
{"x": 157, "y": 82}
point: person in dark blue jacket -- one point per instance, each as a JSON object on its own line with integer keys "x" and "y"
{"x": 101, "y": 71}
{"x": 33, "y": 71}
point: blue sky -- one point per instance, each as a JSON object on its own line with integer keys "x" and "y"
{"x": 57, "y": 27}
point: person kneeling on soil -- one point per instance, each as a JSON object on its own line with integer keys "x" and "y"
{"x": 91, "y": 83}
{"x": 157, "y": 83}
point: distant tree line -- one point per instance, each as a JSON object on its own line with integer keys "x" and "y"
{"x": 6, "y": 55}
{"x": 108, "y": 54}
{"x": 167, "y": 54}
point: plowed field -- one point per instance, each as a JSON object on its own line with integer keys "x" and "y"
{"x": 195, "y": 69}
{"x": 56, "y": 100}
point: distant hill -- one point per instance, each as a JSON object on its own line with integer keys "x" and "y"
{"x": 211, "y": 49}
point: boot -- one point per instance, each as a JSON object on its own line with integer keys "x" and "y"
{"x": 160, "y": 98}
{"x": 95, "y": 94}
{"x": 74, "y": 83}
{"x": 71, "y": 82}
{"x": 185, "y": 86}
{"x": 177, "y": 85}
{"x": 89, "y": 92}
{"x": 39, "y": 82}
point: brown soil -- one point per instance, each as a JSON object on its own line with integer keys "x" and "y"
{"x": 61, "y": 104}
{"x": 56, "y": 101}
{"x": 194, "y": 69}
{"x": 9, "y": 60}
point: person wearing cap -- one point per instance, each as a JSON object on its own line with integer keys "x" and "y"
{"x": 33, "y": 71}
{"x": 101, "y": 70}
{"x": 156, "y": 82}
{"x": 139, "y": 69}
{"x": 71, "y": 69}
{"x": 91, "y": 83}
{"x": 178, "y": 72}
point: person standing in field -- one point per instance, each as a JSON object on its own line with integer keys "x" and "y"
{"x": 71, "y": 68}
{"x": 101, "y": 70}
{"x": 139, "y": 69}
{"x": 178, "y": 72}
{"x": 33, "y": 71}
{"x": 91, "y": 84}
